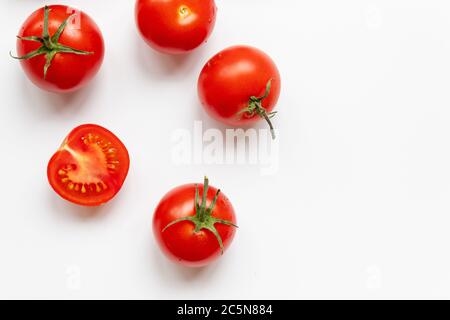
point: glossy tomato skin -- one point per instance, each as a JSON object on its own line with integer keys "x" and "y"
{"x": 180, "y": 242}
{"x": 68, "y": 72}
{"x": 231, "y": 77}
{"x": 90, "y": 166}
{"x": 175, "y": 26}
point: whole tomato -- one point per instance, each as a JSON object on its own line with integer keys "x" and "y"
{"x": 60, "y": 49}
{"x": 240, "y": 85}
{"x": 175, "y": 26}
{"x": 192, "y": 232}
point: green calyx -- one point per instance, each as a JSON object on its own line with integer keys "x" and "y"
{"x": 255, "y": 108}
{"x": 50, "y": 45}
{"x": 203, "y": 218}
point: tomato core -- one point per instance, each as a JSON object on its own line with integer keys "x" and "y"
{"x": 98, "y": 161}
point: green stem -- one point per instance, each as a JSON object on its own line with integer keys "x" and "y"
{"x": 203, "y": 218}
{"x": 262, "y": 112}
{"x": 255, "y": 107}
{"x": 202, "y": 213}
{"x": 50, "y": 45}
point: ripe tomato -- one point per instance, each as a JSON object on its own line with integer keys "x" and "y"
{"x": 60, "y": 49}
{"x": 239, "y": 86}
{"x": 90, "y": 167}
{"x": 175, "y": 26}
{"x": 191, "y": 232}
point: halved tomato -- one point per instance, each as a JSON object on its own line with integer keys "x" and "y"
{"x": 90, "y": 167}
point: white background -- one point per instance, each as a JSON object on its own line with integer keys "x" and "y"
{"x": 358, "y": 209}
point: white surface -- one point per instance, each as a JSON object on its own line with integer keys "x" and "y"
{"x": 358, "y": 209}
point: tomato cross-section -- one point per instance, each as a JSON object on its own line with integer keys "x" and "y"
{"x": 90, "y": 167}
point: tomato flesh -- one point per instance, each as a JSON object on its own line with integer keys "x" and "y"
{"x": 90, "y": 167}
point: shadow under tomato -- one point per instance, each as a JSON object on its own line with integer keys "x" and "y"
{"x": 159, "y": 64}
{"x": 70, "y": 210}
{"x": 172, "y": 271}
{"x": 43, "y": 102}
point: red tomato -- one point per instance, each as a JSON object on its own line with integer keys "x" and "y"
{"x": 60, "y": 49}
{"x": 191, "y": 232}
{"x": 239, "y": 86}
{"x": 175, "y": 26}
{"x": 90, "y": 167}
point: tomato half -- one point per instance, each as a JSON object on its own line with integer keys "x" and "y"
{"x": 175, "y": 26}
{"x": 60, "y": 49}
{"x": 239, "y": 86}
{"x": 90, "y": 167}
{"x": 191, "y": 231}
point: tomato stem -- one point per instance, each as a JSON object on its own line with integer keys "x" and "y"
{"x": 202, "y": 214}
{"x": 203, "y": 218}
{"x": 50, "y": 45}
{"x": 255, "y": 107}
